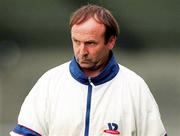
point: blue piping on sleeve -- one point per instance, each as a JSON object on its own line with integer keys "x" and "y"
{"x": 22, "y": 130}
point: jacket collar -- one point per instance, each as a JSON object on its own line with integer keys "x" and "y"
{"x": 106, "y": 75}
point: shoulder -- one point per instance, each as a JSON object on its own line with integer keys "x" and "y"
{"x": 60, "y": 68}
{"x": 136, "y": 85}
{"x": 52, "y": 76}
{"x": 56, "y": 71}
{"x": 133, "y": 82}
{"x": 129, "y": 75}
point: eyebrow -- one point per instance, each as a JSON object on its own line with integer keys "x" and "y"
{"x": 88, "y": 41}
{"x": 74, "y": 39}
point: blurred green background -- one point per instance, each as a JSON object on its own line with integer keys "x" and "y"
{"x": 34, "y": 37}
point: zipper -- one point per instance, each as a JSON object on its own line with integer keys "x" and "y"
{"x": 90, "y": 82}
{"x": 88, "y": 107}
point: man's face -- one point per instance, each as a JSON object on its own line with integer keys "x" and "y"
{"x": 89, "y": 46}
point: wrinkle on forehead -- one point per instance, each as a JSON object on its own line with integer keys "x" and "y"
{"x": 90, "y": 26}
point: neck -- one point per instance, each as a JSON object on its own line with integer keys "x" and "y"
{"x": 107, "y": 73}
{"x": 92, "y": 73}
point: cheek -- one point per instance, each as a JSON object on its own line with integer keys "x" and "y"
{"x": 75, "y": 50}
{"x": 103, "y": 52}
{"x": 97, "y": 53}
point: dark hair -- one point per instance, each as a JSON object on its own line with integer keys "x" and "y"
{"x": 100, "y": 14}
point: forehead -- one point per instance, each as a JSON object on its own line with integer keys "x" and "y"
{"x": 89, "y": 27}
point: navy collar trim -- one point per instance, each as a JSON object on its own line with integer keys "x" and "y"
{"x": 106, "y": 75}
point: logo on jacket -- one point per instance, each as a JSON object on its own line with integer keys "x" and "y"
{"x": 113, "y": 129}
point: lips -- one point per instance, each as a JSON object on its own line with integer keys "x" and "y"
{"x": 84, "y": 60}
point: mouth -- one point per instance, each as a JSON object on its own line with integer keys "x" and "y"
{"x": 85, "y": 62}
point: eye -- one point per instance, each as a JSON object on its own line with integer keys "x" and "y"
{"x": 90, "y": 43}
{"x": 76, "y": 42}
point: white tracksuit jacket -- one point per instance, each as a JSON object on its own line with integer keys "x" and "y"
{"x": 64, "y": 102}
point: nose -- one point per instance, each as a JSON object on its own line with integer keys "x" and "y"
{"x": 83, "y": 50}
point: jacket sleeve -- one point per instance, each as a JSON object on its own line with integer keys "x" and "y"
{"x": 32, "y": 117}
{"x": 149, "y": 120}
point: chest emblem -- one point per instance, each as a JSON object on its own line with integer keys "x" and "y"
{"x": 112, "y": 129}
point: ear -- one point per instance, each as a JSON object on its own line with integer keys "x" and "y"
{"x": 111, "y": 42}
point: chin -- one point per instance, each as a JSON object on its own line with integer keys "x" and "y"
{"x": 85, "y": 66}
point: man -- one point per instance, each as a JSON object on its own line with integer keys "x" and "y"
{"x": 92, "y": 95}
